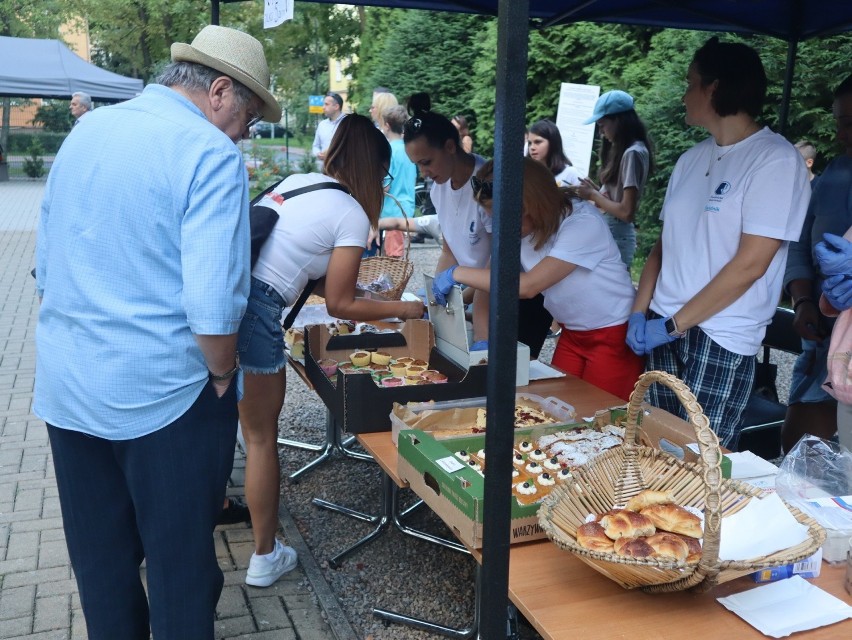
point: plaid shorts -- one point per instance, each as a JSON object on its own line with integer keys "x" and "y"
{"x": 720, "y": 379}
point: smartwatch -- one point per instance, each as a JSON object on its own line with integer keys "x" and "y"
{"x": 671, "y": 328}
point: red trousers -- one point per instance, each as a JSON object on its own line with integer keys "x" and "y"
{"x": 601, "y": 357}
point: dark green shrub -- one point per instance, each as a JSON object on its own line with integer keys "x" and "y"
{"x": 21, "y": 141}
{"x": 34, "y": 165}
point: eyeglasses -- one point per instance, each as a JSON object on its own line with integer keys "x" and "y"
{"x": 386, "y": 181}
{"x": 412, "y": 125}
{"x": 482, "y": 189}
{"x": 253, "y": 120}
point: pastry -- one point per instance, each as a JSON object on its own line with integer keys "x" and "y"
{"x": 538, "y": 455}
{"x": 518, "y": 460}
{"x": 414, "y": 371}
{"x": 297, "y": 349}
{"x": 668, "y": 546}
{"x": 412, "y": 379}
{"x": 290, "y": 336}
{"x": 481, "y": 454}
{"x": 552, "y": 464}
{"x": 620, "y": 523}
{"x": 424, "y": 381}
{"x": 438, "y": 378}
{"x": 674, "y": 518}
{"x": 398, "y": 369}
{"x": 534, "y": 468}
{"x": 545, "y": 480}
{"x": 345, "y": 367}
{"x": 473, "y": 464}
{"x": 328, "y": 366}
{"x": 515, "y": 472}
{"x": 694, "y": 548}
{"x": 525, "y": 447}
{"x": 633, "y": 547}
{"x": 420, "y": 363}
{"x": 344, "y": 327}
{"x": 392, "y": 382}
{"x": 526, "y": 488}
{"x": 405, "y": 360}
{"x": 360, "y": 358}
{"x": 381, "y": 358}
{"x": 591, "y": 536}
{"x": 564, "y": 474}
{"x": 381, "y": 374}
{"x": 648, "y": 497}
{"x": 463, "y": 455}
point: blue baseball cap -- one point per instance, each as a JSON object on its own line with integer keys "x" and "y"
{"x": 610, "y": 103}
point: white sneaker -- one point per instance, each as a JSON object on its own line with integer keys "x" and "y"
{"x": 263, "y": 572}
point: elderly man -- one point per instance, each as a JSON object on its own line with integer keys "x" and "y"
{"x": 143, "y": 270}
{"x": 81, "y": 104}
{"x": 332, "y": 109}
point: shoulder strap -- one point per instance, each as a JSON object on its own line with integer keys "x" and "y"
{"x": 297, "y": 192}
{"x": 300, "y": 302}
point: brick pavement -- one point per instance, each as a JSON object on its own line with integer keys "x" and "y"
{"x": 38, "y": 594}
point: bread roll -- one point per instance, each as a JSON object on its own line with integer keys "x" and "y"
{"x": 621, "y": 523}
{"x": 648, "y": 497}
{"x": 673, "y": 518}
{"x": 591, "y": 536}
{"x": 668, "y": 546}
{"x": 694, "y": 546}
{"x": 633, "y": 548}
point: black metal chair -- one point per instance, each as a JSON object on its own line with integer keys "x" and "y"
{"x": 764, "y": 414}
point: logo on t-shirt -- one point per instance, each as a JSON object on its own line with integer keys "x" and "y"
{"x": 473, "y": 236}
{"x": 713, "y": 205}
{"x": 723, "y": 188}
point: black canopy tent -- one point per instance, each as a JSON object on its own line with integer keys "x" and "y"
{"x": 790, "y": 20}
{"x": 34, "y": 68}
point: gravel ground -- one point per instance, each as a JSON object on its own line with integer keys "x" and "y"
{"x": 394, "y": 572}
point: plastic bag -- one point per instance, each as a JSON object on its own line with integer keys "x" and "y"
{"x": 381, "y": 284}
{"x": 815, "y": 468}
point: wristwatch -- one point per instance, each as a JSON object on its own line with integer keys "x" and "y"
{"x": 671, "y": 328}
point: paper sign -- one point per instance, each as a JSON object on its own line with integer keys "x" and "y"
{"x": 315, "y": 104}
{"x": 449, "y": 464}
{"x": 576, "y": 104}
{"x": 276, "y": 12}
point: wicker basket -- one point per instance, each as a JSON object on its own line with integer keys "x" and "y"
{"x": 399, "y": 270}
{"x": 620, "y": 473}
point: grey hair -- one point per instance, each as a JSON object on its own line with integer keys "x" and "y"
{"x": 197, "y": 77}
{"x": 84, "y": 98}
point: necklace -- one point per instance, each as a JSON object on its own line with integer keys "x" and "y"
{"x": 719, "y": 158}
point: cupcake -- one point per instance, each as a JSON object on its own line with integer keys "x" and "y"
{"x": 346, "y": 367}
{"x": 381, "y": 374}
{"x": 328, "y": 366}
{"x": 398, "y": 369}
{"x": 405, "y": 360}
{"x": 420, "y": 363}
{"x": 435, "y": 376}
{"x": 381, "y": 358}
{"x": 414, "y": 371}
{"x": 360, "y": 358}
{"x": 344, "y": 327}
{"x": 412, "y": 379}
{"x": 424, "y": 381}
{"x": 391, "y": 382}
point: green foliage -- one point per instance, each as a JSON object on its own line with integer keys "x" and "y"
{"x": 54, "y": 116}
{"x": 21, "y": 142}
{"x": 34, "y": 165}
{"x": 307, "y": 163}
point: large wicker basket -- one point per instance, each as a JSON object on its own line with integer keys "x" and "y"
{"x": 399, "y": 270}
{"x": 620, "y": 473}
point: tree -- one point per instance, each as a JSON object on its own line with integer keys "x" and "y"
{"x": 54, "y": 115}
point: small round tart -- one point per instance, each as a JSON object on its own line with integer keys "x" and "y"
{"x": 391, "y": 382}
{"x": 435, "y": 376}
{"x": 381, "y": 358}
{"x": 526, "y": 488}
{"x": 360, "y": 358}
{"x": 346, "y": 367}
{"x": 405, "y": 360}
{"x": 552, "y": 464}
{"x": 515, "y": 473}
{"x": 412, "y": 379}
{"x": 381, "y": 374}
{"x": 473, "y": 464}
{"x": 481, "y": 454}
{"x": 420, "y": 363}
{"x": 414, "y": 371}
{"x": 518, "y": 460}
{"x": 534, "y": 468}
{"x": 538, "y": 455}
{"x": 328, "y": 366}
{"x": 463, "y": 455}
{"x": 545, "y": 480}
{"x": 525, "y": 447}
{"x": 398, "y": 369}
{"x": 564, "y": 474}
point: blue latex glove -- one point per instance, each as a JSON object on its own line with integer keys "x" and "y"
{"x": 479, "y": 345}
{"x": 636, "y": 332}
{"x": 838, "y": 291}
{"x": 442, "y": 284}
{"x": 656, "y": 334}
{"x": 834, "y": 255}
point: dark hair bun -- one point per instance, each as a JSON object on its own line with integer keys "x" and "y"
{"x": 419, "y": 103}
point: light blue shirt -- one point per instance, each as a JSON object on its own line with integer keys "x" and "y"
{"x": 404, "y": 173}
{"x": 143, "y": 242}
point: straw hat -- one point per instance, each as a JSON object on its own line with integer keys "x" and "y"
{"x": 237, "y": 55}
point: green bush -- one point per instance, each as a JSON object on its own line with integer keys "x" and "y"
{"x": 34, "y": 165}
{"x": 21, "y": 141}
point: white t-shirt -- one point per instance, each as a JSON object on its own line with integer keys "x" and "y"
{"x": 465, "y": 225}
{"x": 598, "y": 293}
{"x": 569, "y": 176}
{"x": 309, "y": 227}
{"x": 758, "y": 186}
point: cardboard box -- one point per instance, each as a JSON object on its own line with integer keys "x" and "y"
{"x": 453, "y": 414}
{"x": 458, "y": 497}
{"x": 357, "y": 403}
{"x": 807, "y": 568}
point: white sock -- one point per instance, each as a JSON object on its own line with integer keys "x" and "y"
{"x": 273, "y": 555}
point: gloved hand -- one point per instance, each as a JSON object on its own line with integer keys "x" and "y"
{"x": 656, "y": 334}
{"x": 834, "y": 255}
{"x": 442, "y": 284}
{"x": 838, "y": 291}
{"x": 479, "y": 345}
{"x": 636, "y": 332}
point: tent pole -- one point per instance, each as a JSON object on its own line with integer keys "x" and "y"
{"x": 510, "y": 106}
{"x": 214, "y": 12}
{"x": 792, "y": 48}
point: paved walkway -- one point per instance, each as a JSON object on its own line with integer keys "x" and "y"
{"x": 38, "y": 594}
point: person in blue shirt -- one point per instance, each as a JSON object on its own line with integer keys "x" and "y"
{"x": 142, "y": 267}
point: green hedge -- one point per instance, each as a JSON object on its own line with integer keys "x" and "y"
{"x": 19, "y": 142}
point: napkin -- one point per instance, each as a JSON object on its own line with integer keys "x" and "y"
{"x": 781, "y": 608}
{"x": 762, "y": 527}
{"x": 541, "y": 371}
{"x": 745, "y": 464}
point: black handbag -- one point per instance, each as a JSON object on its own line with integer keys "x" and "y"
{"x": 262, "y": 219}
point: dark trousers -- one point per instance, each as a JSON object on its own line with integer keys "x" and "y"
{"x": 533, "y": 323}
{"x": 156, "y": 498}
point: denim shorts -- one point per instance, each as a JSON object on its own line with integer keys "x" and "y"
{"x": 809, "y": 372}
{"x": 261, "y": 338}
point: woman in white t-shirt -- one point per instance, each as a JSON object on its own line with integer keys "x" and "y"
{"x": 320, "y": 234}
{"x": 545, "y": 145}
{"x": 568, "y": 256}
{"x": 712, "y": 281}
{"x": 626, "y": 163}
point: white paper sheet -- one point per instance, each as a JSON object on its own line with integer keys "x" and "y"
{"x": 276, "y": 12}
{"x": 745, "y": 464}
{"x": 781, "y": 608}
{"x": 762, "y": 527}
{"x": 541, "y": 371}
